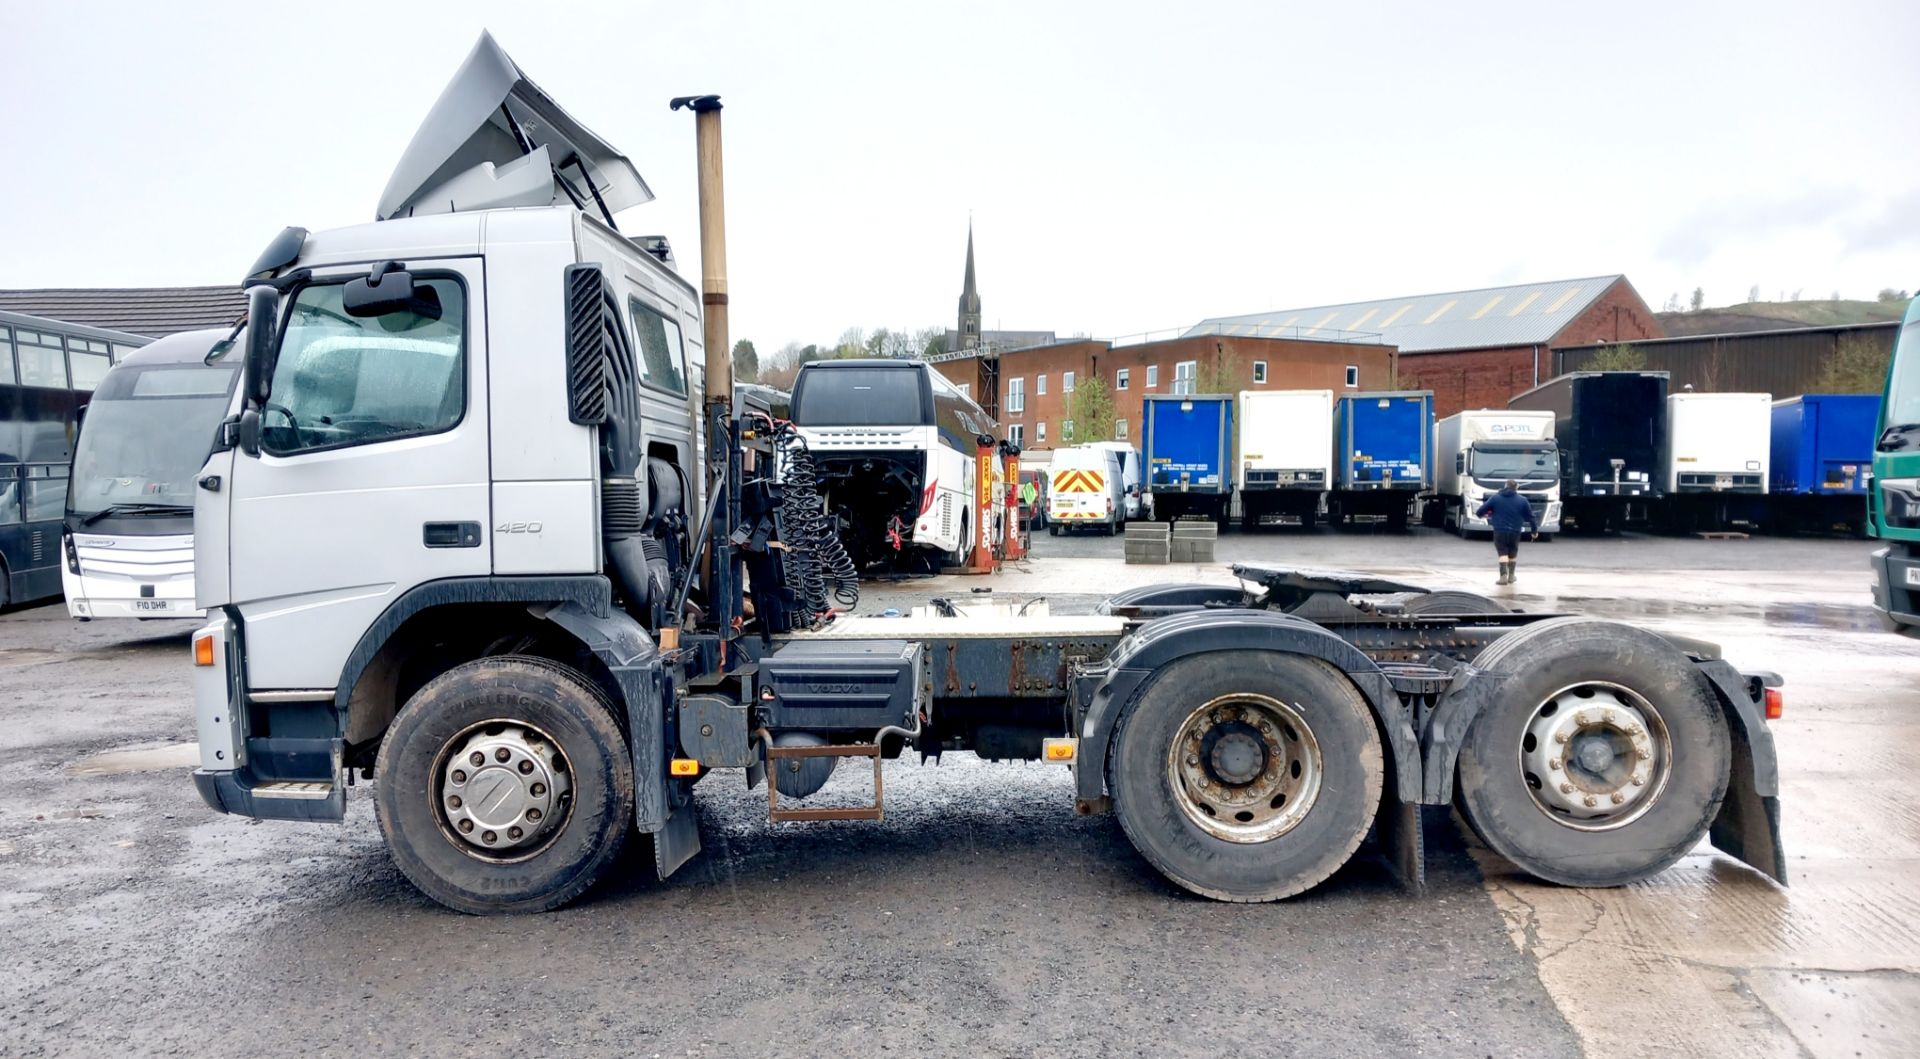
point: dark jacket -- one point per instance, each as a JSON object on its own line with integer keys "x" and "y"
{"x": 1508, "y": 511}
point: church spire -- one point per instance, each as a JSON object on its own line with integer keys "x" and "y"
{"x": 969, "y": 329}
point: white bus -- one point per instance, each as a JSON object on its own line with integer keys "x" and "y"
{"x": 144, "y": 435}
{"x": 894, "y": 444}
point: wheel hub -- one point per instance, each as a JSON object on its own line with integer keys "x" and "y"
{"x": 504, "y": 789}
{"x": 1594, "y": 756}
{"x": 1245, "y": 768}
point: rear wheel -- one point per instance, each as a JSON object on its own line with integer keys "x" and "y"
{"x": 1246, "y": 775}
{"x": 1605, "y": 758}
{"x": 505, "y": 786}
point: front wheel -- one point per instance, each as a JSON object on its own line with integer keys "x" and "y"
{"x": 1246, "y": 775}
{"x": 1603, "y": 761}
{"x": 505, "y": 786}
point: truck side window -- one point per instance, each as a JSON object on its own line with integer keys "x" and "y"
{"x": 343, "y": 380}
{"x": 663, "y": 356}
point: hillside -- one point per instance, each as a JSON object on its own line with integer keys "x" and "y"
{"x": 1769, "y": 316}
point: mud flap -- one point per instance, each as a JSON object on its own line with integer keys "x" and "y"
{"x": 1400, "y": 830}
{"x": 1748, "y": 825}
{"x": 678, "y": 842}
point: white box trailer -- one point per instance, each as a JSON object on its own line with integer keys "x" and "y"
{"x": 1477, "y": 452}
{"x": 1717, "y": 442}
{"x": 1714, "y": 461}
{"x": 1286, "y": 454}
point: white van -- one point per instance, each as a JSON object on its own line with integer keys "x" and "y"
{"x": 1086, "y": 487}
{"x": 1133, "y": 477}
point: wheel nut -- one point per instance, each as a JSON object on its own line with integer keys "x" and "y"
{"x": 1617, "y": 797}
{"x": 453, "y": 802}
{"x": 1193, "y": 759}
{"x": 477, "y": 758}
{"x": 1560, "y": 737}
{"x": 1581, "y": 719}
{"x": 1566, "y": 788}
{"x": 514, "y": 833}
{"x": 538, "y": 789}
{"x": 1589, "y": 800}
{"x": 466, "y": 827}
{"x": 459, "y": 776}
{"x": 489, "y": 837}
{"x": 533, "y": 814}
{"x": 502, "y": 754}
{"x": 526, "y": 767}
{"x": 1554, "y": 764}
{"x": 1638, "y": 780}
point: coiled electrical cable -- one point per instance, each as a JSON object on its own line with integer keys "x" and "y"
{"x": 822, "y": 572}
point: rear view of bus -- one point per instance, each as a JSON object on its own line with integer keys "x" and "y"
{"x": 1894, "y": 515}
{"x": 129, "y": 523}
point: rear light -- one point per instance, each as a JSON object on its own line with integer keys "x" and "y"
{"x": 1776, "y": 704}
{"x": 926, "y": 497}
{"x": 203, "y": 649}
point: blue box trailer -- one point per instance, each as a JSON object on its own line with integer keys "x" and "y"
{"x": 1821, "y": 460}
{"x": 1187, "y": 441}
{"x": 1382, "y": 456}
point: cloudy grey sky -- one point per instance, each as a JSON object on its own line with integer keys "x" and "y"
{"x": 1128, "y": 166}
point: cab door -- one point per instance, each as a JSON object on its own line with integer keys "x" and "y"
{"x": 371, "y": 475}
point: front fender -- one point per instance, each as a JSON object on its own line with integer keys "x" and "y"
{"x": 1137, "y": 658}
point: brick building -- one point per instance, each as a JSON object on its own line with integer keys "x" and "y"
{"x": 1473, "y": 349}
{"x": 1029, "y": 390}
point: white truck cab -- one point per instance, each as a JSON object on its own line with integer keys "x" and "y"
{"x": 130, "y": 500}
{"x": 1478, "y": 451}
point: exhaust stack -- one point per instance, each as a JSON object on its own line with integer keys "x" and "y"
{"x": 713, "y": 245}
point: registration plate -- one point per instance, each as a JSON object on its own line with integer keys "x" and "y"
{"x": 152, "y": 604}
{"x": 1913, "y": 577}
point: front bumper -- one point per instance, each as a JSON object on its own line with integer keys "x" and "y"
{"x": 1895, "y": 594}
{"x": 229, "y": 779}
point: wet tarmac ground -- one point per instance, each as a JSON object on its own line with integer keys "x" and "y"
{"x": 981, "y": 917}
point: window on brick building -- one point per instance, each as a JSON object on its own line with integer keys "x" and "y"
{"x": 1040, "y": 432}
{"x": 1353, "y": 376}
{"x": 1066, "y": 430}
{"x": 1259, "y": 371}
{"x": 1017, "y": 434}
{"x": 1120, "y": 379}
{"x": 1039, "y": 385}
{"x": 1153, "y": 376}
{"x": 1185, "y": 375}
{"x": 1066, "y": 382}
{"x": 1120, "y": 430}
{"x": 1016, "y": 396}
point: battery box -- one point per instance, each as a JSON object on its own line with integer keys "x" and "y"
{"x": 834, "y": 684}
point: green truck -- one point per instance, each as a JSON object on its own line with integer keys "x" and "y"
{"x": 1895, "y": 513}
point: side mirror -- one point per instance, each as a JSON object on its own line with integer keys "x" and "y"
{"x": 389, "y": 289}
{"x": 263, "y": 340}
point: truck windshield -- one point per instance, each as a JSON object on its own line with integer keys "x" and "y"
{"x": 1521, "y": 463}
{"x": 1901, "y": 417}
{"x": 147, "y": 432}
{"x": 859, "y": 397}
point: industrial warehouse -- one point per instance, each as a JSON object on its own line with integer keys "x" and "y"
{"x": 430, "y": 625}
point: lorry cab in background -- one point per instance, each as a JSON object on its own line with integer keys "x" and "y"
{"x": 1478, "y": 451}
{"x": 1894, "y": 511}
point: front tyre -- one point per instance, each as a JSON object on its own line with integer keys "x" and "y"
{"x": 1603, "y": 760}
{"x": 505, "y": 786}
{"x": 1246, "y": 775}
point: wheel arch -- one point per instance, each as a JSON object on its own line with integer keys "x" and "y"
{"x": 1138, "y": 659}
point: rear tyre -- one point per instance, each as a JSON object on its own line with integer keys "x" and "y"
{"x": 1452, "y": 602}
{"x": 1246, "y": 775}
{"x": 1053, "y": 529}
{"x": 1603, "y": 761}
{"x": 505, "y": 786}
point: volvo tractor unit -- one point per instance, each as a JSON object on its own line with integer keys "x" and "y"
{"x": 480, "y": 541}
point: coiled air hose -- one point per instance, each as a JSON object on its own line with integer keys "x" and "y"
{"x": 822, "y": 572}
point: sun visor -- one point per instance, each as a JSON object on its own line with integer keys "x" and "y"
{"x": 468, "y": 155}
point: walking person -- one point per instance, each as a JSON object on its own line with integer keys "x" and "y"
{"x": 1510, "y": 513}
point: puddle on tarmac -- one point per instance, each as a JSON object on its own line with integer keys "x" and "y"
{"x": 15, "y": 657}
{"x": 144, "y": 759}
{"x": 1838, "y": 616}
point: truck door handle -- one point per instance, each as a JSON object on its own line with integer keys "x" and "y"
{"x": 211, "y": 483}
{"x": 450, "y": 534}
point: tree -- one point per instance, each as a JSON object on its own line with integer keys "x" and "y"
{"x": 746, "y": 362}
{"x": 1699, "y": 299}
{"x": 1858, "y": 365}
{"x": 1888, "y": 294}
{"x": 931, "y": 341}
{"x": 1753, "y": 294}
{"x": 1090, "y": 410}
{"x": 1673, "y": 303}
{"x": 1622, "y": 357}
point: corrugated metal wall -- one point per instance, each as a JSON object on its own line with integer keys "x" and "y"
{"x": 1782, "y": 363}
